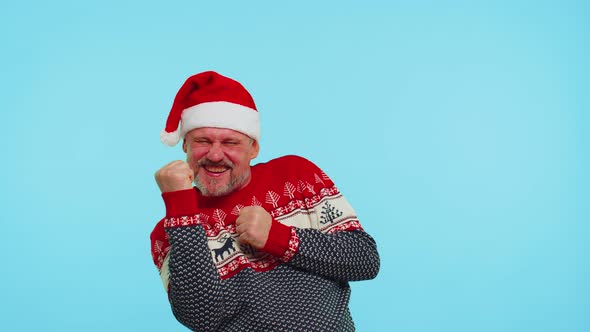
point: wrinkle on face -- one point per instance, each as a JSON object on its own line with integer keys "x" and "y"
{"x": 220, "y": 159}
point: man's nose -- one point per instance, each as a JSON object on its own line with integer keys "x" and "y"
{"x": 215, "y": 152}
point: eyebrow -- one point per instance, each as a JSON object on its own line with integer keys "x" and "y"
{"x": 226, "y": 139}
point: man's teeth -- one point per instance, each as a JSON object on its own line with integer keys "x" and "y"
{"x": 216, "y": 169}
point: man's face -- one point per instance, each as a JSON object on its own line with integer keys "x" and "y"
{"x": 220, "y": 159}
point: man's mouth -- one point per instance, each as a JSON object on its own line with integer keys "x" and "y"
{"x": 215, "y": 169}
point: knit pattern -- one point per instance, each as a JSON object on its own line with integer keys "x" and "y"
{"x": 283, "y": 299}
{"x": 344, "y": 256}
{"x": 217, "y": 284}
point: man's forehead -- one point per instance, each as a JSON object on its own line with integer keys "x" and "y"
{"x": 215, "y": 132}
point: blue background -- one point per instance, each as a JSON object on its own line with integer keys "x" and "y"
{"x": 458, "y": 130}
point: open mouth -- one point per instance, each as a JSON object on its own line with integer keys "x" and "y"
{"x": 216, "y": 169}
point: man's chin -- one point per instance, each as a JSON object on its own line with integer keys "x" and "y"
{"x": 213, "y": 190}
{"x": 216, "y": 193}
{"x": 219, "y": 187}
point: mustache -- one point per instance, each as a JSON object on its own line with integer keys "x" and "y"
{"x": 207, "y": 162}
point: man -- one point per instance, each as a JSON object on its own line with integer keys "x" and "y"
{"x": 269, "y": 247}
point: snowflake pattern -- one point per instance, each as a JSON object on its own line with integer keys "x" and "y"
{"x": 272, "y": 198}
{"x": 255, "y": 202}
{"x": 195, "y": 289}
{"x": 236, "y": 210}
{"x": 289, "y": 190}
{"x": 318, "y": 179}
{"x": 219, "y": 216}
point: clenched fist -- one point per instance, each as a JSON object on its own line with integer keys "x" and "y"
{"x": 253, "y": 225}
{"x": 175, "y": 176}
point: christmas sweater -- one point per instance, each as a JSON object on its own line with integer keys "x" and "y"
{"x": 297, "y": 282}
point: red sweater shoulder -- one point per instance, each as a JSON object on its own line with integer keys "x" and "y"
{"x": 291, "y": 177}
{"x": 293, "y": 168}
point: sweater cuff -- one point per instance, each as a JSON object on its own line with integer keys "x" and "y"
{"x": 180, "y": 203}
{"x": 281, "y": 240}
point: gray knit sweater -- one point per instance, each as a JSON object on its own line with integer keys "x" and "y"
{"x": 297, "y": 282}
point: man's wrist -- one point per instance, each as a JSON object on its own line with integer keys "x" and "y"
{"x": 180, "y": 203}
{"x": 278, "y": 239}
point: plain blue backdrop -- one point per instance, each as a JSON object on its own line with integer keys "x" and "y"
{"x": 458, "y": 130}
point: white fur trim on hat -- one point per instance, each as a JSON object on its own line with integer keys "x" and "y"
{"x": 169, "y": 139}
{"x": 221, "y": 114}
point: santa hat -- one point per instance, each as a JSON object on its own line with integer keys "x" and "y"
{"x": 211, "y": 100}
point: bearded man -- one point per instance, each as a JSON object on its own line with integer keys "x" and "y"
{"x": 269, "y": 247}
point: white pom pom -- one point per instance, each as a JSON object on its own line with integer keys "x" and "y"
{"x": 169, "y": 139}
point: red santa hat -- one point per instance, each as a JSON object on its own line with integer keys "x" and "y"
{"x": 209, "y": 99}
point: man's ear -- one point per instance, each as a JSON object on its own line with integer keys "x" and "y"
{"x": 255, "y": 149}
{"x": 184, "y": 145}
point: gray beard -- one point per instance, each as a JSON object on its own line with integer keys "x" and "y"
{"x": 234, "y": 182}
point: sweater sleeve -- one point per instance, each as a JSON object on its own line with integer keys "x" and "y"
{"x": 194, "y": 286}
{"x": 344, "y": 256}
{"x": 318, "y": 231}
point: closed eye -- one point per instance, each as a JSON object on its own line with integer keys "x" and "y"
{"x": 201, "y": 141}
